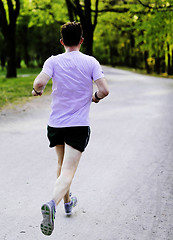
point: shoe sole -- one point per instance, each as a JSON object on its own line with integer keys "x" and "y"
{"x": 68, "y": 214}
{"x": 47, "y": 225}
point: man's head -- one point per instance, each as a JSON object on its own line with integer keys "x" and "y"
{"x": 71, "y": 33}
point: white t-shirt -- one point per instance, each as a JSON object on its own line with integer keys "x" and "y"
{"x": 72, "y": 74}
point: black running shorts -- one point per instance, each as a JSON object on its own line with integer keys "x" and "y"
{"x": 76, "y": 137}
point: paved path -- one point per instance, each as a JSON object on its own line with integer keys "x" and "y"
{"x": 124, "y": 182}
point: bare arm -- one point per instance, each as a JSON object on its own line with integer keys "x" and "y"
{"x": 40, "y": 83}
{"x": 103, "y": 90}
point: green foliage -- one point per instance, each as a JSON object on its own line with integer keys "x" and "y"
{"x": 44, "y": 43}
{"x": 113, "y": 30}
{"x": 132, "y": 33}
{"x": 156, "y": 31}
{"x": 140, "y": 38}
{"x": 38, "y": 30}
{"x": 44, "y": 12}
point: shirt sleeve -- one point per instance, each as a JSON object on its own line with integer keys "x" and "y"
{"x": 48, "y": 67}
{"x": 97, "y": 70}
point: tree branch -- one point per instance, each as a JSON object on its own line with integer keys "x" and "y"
{"x": 96, "y": 13}
{"x": 70, "y": 9}
{"x": 3, "y": 18}
{"x": 144, "y": 5}
{"x": 78, "y": 9}
{"x": 88, "y": 12}
{"x": 124, "y": 1}
{"x": 17, "y": 10}
{"x": 10, "y": 11}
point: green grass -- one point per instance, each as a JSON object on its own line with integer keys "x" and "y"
{"x": 143, "y": 71}
{"x": 18, "y": 90}
{"x": 22, "y": 71}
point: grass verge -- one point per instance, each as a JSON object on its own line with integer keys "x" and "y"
{"x": 18, "y": 90}
{"x": 144, "y": 72}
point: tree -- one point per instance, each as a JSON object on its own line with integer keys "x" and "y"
{"x": 87, "y": 12}
{"x": 8, "y": 20}
{"x": 84, "y": 12}
{"x": 156, "y": 39}
{"x": 38, "y": 30}
{"x": 164, "y": 5}
{"x": 2, "y": 51}
{"x": 141, "y": 38}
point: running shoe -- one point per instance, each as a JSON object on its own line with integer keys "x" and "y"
{"x": 69, "y": 206}
{"x": 48, "y": 211}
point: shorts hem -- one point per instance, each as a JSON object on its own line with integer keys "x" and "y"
{"x": 55, "y": 144}
{"x": 71, "y": 145}
{"x": 75, "y": 147}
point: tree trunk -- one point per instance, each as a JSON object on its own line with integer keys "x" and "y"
{"x": 11, "y": 52}
{"x": 169, "y": 61}
{"x": 88, "y": 28}
{"x": 25, "y": 41}
{"x": 157, "y": 65}
{"x": 8, "y": 27}
{"x": 3, "y": 58}
{"x": 146, "y": 62}
{"x": 88, "y": 39}
{"x": 70, "y": 10}
{"x": 18, "y": 61}
{"x": 75, "y": 8}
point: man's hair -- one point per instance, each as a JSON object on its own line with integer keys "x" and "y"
{"x": 71, "y": 33}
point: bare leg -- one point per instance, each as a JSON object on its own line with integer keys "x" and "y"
{"x": 60, "y": 153}
{"x": 68, "y": 169}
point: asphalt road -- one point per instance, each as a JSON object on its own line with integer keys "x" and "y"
{"x": 124, "y": 182}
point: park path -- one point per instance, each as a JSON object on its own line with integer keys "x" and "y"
{"x": 124, "y": 182}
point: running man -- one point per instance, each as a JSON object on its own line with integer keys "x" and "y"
{"x": 68, "y": 128}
